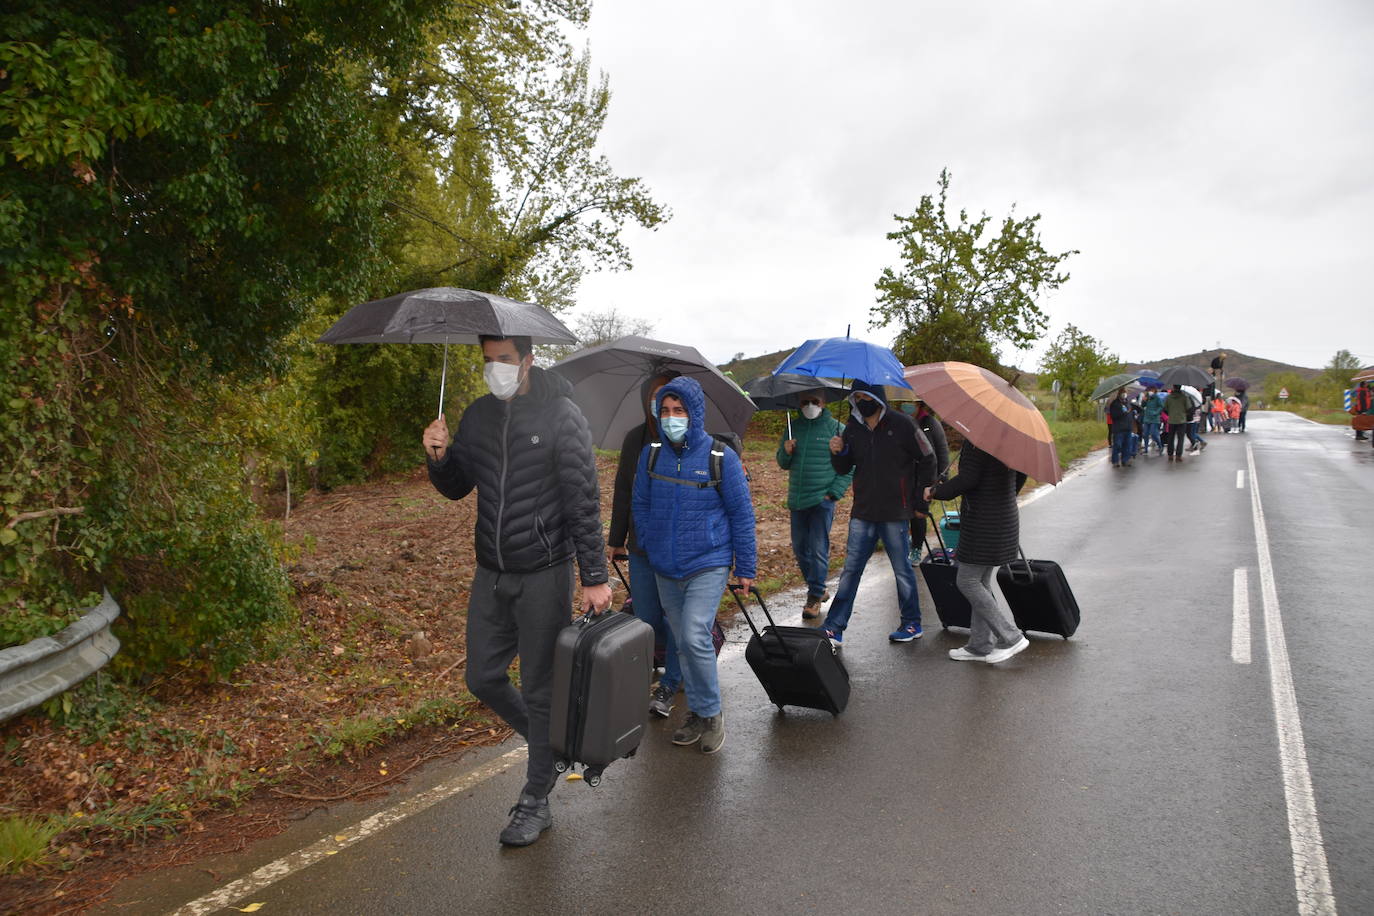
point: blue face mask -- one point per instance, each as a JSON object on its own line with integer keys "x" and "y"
{"x": 675, "y": 428}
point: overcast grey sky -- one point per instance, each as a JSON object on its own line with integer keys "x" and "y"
{"x": 1212, "y": 161}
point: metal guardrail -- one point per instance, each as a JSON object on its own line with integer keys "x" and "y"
{"x": 45, "y": 667}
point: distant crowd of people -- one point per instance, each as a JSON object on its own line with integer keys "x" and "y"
{"x": 1166, "y": 419}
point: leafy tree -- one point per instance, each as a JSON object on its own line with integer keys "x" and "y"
{"x": 504, "y": 192}
{"x": 1298, "y": 389}
{"x": 956, "y": 296}
{"x": 1079, "y": 362}
{"x": 1342, "y": 366}
{"x": 178, "y": 185}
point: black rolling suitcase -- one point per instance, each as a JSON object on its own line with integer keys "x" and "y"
{"x": 796, "y": 665}
{"x": 600, "y": 708}
{"x": 939, "y": 569}
{"x": 1039, "y": 596}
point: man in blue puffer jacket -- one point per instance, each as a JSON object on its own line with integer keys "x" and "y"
{"x": 693, "y": 526}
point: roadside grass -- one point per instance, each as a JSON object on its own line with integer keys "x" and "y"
{"x": 1319, "y": 414}
{"x": 350, "y": 736}
{"x": 25, "y": 842}
{"x": 1075, "y": 438}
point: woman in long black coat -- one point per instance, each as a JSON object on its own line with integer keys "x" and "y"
{"x": 989, "y": 536}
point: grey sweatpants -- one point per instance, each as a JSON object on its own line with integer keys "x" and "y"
{"x": 990, "y": 627}
{"x": 522, "y": 613}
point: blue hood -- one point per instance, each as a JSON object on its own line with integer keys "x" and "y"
{"x": 688, "y": 391}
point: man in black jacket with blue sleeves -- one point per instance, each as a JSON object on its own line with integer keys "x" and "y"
{"x": 528, "y": 452}
{"x": 892, "y": 463}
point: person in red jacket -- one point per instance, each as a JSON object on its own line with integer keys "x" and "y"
{"x": 1361, "y": 403}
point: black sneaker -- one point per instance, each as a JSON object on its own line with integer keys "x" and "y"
{"x": 661, "y": 701}
{"x": 529, "y": 818}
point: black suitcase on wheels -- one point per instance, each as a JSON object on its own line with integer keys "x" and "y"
{"x": 796, "y": 665}
{"x": 939, "y": 570}
{"x": 600, "y": 707}
{"x": 1039, "y": 596}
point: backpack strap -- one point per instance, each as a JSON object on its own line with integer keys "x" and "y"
{"x": 715, "y": 462}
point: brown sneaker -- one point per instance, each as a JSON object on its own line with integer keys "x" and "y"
{"x": 812, "y": 609}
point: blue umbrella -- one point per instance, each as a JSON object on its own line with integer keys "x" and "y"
{"x": 845, "y": 358}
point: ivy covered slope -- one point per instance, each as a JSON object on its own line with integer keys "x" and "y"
{"x": 179, "y": 183}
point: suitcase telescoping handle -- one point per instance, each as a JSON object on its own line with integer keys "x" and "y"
{"x": 615, "y": 562}
{"x": 938, "y": 537}
{"x": 1011, "y": 568}
{"x": 735, "y": 589}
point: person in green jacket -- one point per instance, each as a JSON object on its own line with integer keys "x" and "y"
{"x": 1176, "y": 408}
{"x": 813, "y": 487}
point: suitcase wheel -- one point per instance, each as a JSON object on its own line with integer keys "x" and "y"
{"x": 593, "y": 776}
{"x": 781, "y": 710}
{"x": 561, "y": 765}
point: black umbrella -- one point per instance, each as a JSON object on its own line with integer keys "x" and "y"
{"x": 606, "y": 383}
{"x": 1185, "y": 375}
{"x": 445, "y": 314}
{"x": 783, "y": 392}
{"x": 1236, "y": 383}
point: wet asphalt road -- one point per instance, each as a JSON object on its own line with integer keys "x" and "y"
{"x": 1132, "y": 769}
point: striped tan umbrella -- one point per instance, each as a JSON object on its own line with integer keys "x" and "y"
{"x": 990, "y": 413}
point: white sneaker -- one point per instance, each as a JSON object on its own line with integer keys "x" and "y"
{"x": 1001, "y": 655}
{"x": 962, "y": 654}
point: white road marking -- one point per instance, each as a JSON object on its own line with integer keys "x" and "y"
{"x": 1240, "y": 479}
{"x": 1240, "y": 618}
{"x": 330, "y": 845}
{"x": 1311, "y": 877}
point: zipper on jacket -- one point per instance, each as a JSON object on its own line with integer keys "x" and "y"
{"x": 677, "y": 503}
{"x": 501, "y": 490}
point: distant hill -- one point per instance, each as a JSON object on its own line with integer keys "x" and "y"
{"x": 1253, "y": 369}
{"x": 742, "y": 370}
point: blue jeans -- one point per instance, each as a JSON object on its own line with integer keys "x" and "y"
{"x": 649, "y": 609}
{"x": 1150, "y": 433}
{"x": 1121, "y": 447}
{"x": 863, "y": 537}
{"x": 691, "y": 608}
{"x": 811, "y": 544}
{"x": 1193, "y": 436}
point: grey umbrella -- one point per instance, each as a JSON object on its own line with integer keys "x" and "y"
{"x": 606, "y": 382}
{"x": 1111, "y": 383}
{"x": 1185, "y": 375}
{"x": 445, "y": 314}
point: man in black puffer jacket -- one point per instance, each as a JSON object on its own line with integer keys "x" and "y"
{"x": 527, "y": 450}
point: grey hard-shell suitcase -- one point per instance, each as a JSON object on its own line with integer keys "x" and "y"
{"x": 600, "y": 707}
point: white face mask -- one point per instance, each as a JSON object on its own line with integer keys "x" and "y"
{"x": 811, "y": 411}
{"x": 502, "y": 378}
